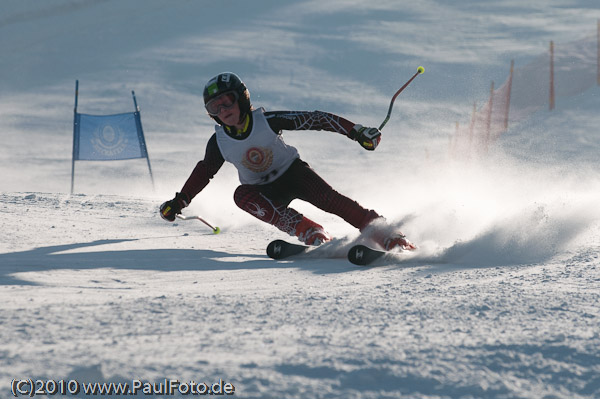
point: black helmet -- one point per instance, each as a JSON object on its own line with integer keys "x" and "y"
{"x": 224, "y": 82}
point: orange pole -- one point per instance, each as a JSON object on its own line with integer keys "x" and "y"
{"x": 489, "y": 119}
{"x": 472, "y": 124}
{"x": 510, "y": 79}
{"x": 552, "y": 75}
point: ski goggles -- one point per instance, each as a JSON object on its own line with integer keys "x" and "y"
{"x": 223, "y": 101}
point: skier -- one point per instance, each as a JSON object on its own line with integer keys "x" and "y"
{"x": 271, "y": 172}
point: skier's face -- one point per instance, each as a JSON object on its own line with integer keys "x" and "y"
{"x": 225, "y": 100}
{"x": 230, "y": 116}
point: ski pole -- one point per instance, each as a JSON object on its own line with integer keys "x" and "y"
{"x": 420, "y": 70}
{"x": 215, "y": 229}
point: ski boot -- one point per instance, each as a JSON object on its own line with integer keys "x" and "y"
{"x": 382, "y": 234}
{"x": 388, "y": 240}
{"x": 397, "y": 240}
{"x": 311, "y": 233}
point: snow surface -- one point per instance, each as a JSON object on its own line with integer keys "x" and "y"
{"x": 502, "y": 300}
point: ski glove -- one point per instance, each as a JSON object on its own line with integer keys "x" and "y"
{"x": 367, "y": 137}
{"x": 169, "y": 209}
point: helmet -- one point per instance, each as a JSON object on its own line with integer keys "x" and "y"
{"x": 224, "y": 82}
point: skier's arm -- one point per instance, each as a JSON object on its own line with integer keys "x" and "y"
{"x": 318, "y": 120}
{"x": 204, "y": 170}
{"x": 200, "y": 177}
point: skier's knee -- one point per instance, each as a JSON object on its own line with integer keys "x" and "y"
{"x": 370, "y": 216}
{"x": 240, "y": 196}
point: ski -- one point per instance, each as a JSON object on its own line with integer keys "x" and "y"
{"x": 279, "y": 249}
{"x": 363, "y": 256}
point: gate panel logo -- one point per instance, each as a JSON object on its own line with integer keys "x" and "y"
{"x": 109, "y": 141}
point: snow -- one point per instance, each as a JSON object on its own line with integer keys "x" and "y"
{"x": 502, "y": 300}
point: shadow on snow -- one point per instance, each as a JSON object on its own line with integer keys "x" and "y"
{"x": 59, "y": 257}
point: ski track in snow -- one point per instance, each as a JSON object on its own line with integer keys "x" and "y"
{"x": 114, "y": 294}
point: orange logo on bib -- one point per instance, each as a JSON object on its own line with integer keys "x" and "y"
{"x": 258, "y": 159}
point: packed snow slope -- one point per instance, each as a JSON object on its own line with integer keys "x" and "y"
{"x": 502, "y": 299}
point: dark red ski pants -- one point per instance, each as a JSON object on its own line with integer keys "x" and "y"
{"x": 269, "y": 202}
